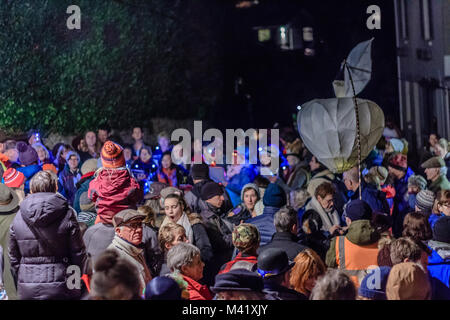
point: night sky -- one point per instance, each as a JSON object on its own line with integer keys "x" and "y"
{"x": 278, "y": 81}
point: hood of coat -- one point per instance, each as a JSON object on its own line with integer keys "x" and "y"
{"x": 43, "y": 208}
{"x": 361, "y": 232}
{"x": 29, "y": 171}
{"x": 109, "y": 181}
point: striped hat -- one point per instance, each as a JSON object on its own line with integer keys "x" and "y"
{"x": 13, "y": 178}
{"x": 425, "y": 200}
{"x": 112, "y": 155}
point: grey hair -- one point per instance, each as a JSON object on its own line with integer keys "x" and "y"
{"x": 285, "y": 219}
{"x": 334, "y": 285}
{"x": 183, "y": 254}
{"x": 39, "y": 145}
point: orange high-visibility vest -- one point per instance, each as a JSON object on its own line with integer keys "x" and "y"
{"x": 354, "y": 259}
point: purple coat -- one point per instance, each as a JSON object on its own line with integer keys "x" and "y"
{"x": 41, "y": 271}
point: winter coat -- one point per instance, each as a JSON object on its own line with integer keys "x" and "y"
{"x": 134, "y": 255}
{"x": 6, "y": 219}
{"x": 112, "y": 191}
{"x": 29, "y": 172}
{"x": 98, "y": 237}
{"x": 274, "y": 291}
{"x": 375, "y": 198}
{"x": 317, "y": 241}
{"x": 40, "y": 269}
{"x": 219, "y": 233}
{"x": 285, "y": 241}
{"x": 439, "y": 184}
{"x": 196, "y": 290}
{"x": 439, "y": 263}
{"x": 317, "y": 179}
{"x": 297, "y": 178}
{"x": 82, "y": 187}
{"x": 148, "y": 167}
{"x": 433, "y": 218}
{"x": 401, "y": 204}
{"x": 173, "y": 177}
{"x": 360, "y": 233}
{"x": 265, "y": 225}
{"x": 239, "y": 213}
{"x": 68, "y": 181}
{"x": 195, "y": 202}
{"x": 328, "y": 218}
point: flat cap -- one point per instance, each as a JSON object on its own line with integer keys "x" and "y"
{"x": 127, "y": 215}
{"x": 435, "y": 162}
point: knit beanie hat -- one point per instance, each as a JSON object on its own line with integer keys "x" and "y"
{"x": 398, "y": 161}
{"x": 441, "y": 230}
{"x": 112, "y": 155}
{"x": 274, "y": 196}
{"x": 245, "y": 236}
{"x": 200, "y": 171}
{"x": 210, "y": 189}
{"x": 252, "y": 186}
{"x": 417, "y": 180}
{"x": 373, "y": 286}
{"x": 13, "y": 178}
{"x": 408, "y": 281}
{"x": 27, "y": 154}
{"x": 162, "y": 288}
{"x": 89, "y": 165}
{"x": 425, "y": 200}
{"x": 87, "y": 217}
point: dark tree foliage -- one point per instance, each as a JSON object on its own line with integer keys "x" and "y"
{"x": 131, "y": 61}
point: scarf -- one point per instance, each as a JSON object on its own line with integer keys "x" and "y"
{"x": 183, "y": 221}
{"x": 168, "y": 176}
{"x": 328, "y": 218}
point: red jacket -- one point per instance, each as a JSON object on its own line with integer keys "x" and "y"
{"x": 196, "y": 290}
{"x": 112, "y": 191}
{"x": 227, "y": 266}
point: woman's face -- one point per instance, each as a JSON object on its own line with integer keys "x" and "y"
{"x": 164, "y": 143}
{"x": 144, "y": 155}
{"x": 90, "y": 138}
{"x": 173, "y": 209}
{"x": 64, "y": 153}
{"x": 194, "y": 270}
{"x": 41, "y": 154}
{"x": 439, "y": 151}
{"x": 166, "y": 161}
{"x": 179, "y": 236}
{"x": 250, "y": 199}
{"x": 310, "y": 283}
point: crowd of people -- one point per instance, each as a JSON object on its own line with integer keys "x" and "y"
{"x": 139, "y": 226}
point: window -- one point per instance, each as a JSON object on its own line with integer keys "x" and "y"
{"x": 426, "y": 19}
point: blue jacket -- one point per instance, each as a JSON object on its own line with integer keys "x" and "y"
{"x": 439, "y": 268}
{"x": 29, "y": 172}
{"x": 68, "y": 181}
{"x": 265, "y": 225}
{"x": 401, "y": 204}
{"x": 434, "y": 218}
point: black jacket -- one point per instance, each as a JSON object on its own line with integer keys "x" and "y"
{"x": 219, "y": 233}
{"x": 285, "y": 241}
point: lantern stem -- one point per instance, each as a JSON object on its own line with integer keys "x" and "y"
{"x": 358, "y": 137}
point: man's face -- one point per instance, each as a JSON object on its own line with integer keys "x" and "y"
{"x": 216, "y": 201}
{"x": 102, "y": 135}
{"x": 292, "y": 160}
{"x": 73, "y": 163}
{"x": 327, "y": 202}
{"x": 131, "y": 232}
{"x": 91, "y": 138}
{"x": 432, "y": 173}
{"x": 137, "y": 134}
